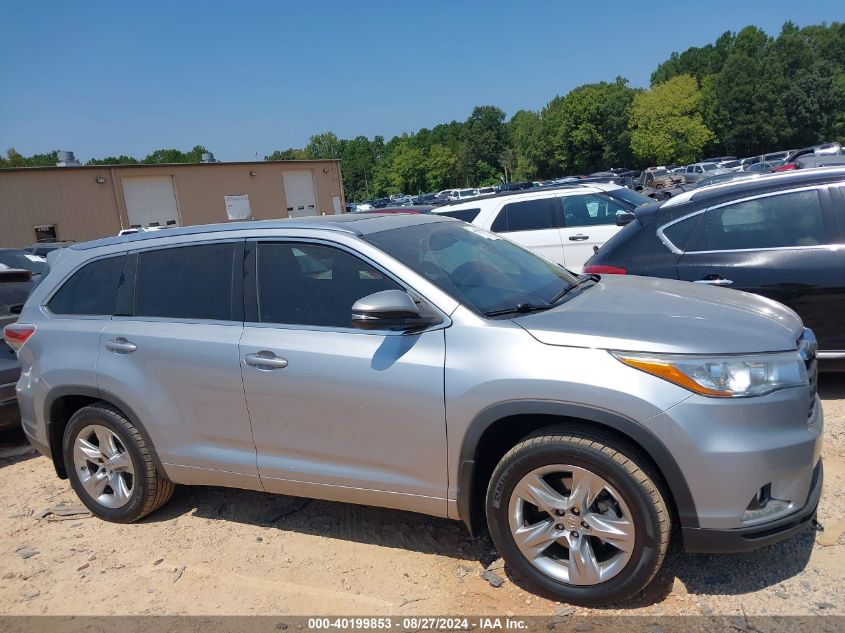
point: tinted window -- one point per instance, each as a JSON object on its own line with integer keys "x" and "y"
{"x": 792, "y": 219}
{"x": 681, "y": 232}
{"x": 590, "y": 210}
{"x": 90, "y": 290}
{"x": 528, "y": 215}
{"x": 467, "y": 215}
{"x": 190, "y": 282}
{"x": 22, "y": 260}
{"x": 307, "y": 284}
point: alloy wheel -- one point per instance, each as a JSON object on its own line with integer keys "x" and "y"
{"x": 571, "y": 524}
{"x": 104, "y": 466}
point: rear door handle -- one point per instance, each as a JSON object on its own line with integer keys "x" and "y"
{"x": 717, "y": 281}
{"x": 580, "y": 237}
{"x": 121, "y": 346}
{"x": 265, "y": 360}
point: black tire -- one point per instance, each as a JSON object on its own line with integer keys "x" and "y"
{"x": 615, "y": 463}
{"x": 149, "y": 491}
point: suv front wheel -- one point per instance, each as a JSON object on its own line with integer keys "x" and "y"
{"x": 110, "y": 467}
{"x": 577, "y": 517}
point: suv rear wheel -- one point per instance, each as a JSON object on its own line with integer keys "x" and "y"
{"x": 110, "y": 467}
{"x": 577, "y": 517}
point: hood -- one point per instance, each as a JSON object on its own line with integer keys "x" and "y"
{"x": 645, "y": 314}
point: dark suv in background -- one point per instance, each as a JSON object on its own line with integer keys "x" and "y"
{"x": 782, "y": 236}
{"x": 15, "y": 286}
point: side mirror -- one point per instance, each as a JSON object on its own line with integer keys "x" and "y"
{"x": 387, "y": 310}
{"x": 625, "y": 218}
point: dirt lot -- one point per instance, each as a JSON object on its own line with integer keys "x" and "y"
{"x": 216, "y": 551}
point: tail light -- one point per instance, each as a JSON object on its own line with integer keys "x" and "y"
{"x": 785, "y": 167}
{"x": 16, "y": 334}
{"x": 604, "y": 270}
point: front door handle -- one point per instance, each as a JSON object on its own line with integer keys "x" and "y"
{"x": 265, "y": 360}
{"x": 580, "y": 237}
{"x": 715, "y": 281}
{"x": 121, "y": 346}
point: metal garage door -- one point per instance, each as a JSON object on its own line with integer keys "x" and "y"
{"x": 150, "y": 201}
{"x": 299, "y": 193}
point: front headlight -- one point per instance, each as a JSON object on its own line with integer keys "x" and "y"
{"x": 723, "y": 376}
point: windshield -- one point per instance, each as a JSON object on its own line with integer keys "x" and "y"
{"x": 479, "y": 269}
{"x": 629, "y": 195}
{"x": 23, "y": 261}
{"x": 710, "y": 166}
{"x": 466, "y": 192}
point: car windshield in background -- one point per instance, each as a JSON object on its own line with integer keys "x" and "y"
{"x": 23, "y": 261}
{"x": 710, "y": 166}
{"x": 480, "y": 269}
{"x": 629, "y": 195}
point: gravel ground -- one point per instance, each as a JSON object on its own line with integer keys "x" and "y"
{"x": 217, "y": 551}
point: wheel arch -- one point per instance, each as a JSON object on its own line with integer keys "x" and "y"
{"x": 499, "y": 427}
{"x": 62, "y": 402}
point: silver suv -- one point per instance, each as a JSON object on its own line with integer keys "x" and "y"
{"x": 421, "y": 363}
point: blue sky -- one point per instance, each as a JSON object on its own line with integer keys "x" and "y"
{"x": 105, "y": 78}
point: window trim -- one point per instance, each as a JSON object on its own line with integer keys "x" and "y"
{"x": 44, "y": 306}
{"x": 236, "y": 295}
{"x": 819, "y": 189}
{"x": 250, "y": 287}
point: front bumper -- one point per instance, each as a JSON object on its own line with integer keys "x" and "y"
{"x": 703, "y": 540}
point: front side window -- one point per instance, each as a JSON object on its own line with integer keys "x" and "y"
{"x": 91, "y": 290}
{"x": 790, "y": 219}
{"x": 187, "y": 282}
{"x": 478, "y": 268}
{"x": 590, "y": 210}
{"x": 528, "y": 215}
{"x": 311, "y": 284}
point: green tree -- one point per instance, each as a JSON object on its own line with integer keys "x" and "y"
{"x": 485, "y": 137}
{"x": 666, "y": 123}
{"x": 114, "y": 160}
{"x": 323, "y": 146}
{"x": 291, "y": 153}
{"x": 166, "y": 156}
{"x": 441, "y": 168}
{"x": 588, "y": 128}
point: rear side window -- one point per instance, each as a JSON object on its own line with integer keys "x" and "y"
{"x": 590, "y": 210}
{"x": 528, "y": 215}
{"x": 790, "y": 219}
{"x": 188, "y": 282}
{"x": 467, "y": 215}
{"x": 91, "y": 290}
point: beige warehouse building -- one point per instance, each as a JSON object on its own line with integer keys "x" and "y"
{"x": 82, "y": 203}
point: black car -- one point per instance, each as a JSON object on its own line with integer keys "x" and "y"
{"x": 782, "y": 236}
{"x": 22, "y": 260}
{"x": 15, "y": 286}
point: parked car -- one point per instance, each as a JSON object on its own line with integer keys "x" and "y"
{"x": 697, "y": 171}
{"x": 400, "y": 379}
{"x": 464, "y": 194}
{"x": 486, "y": 191}
{"x": 444, "y": 195}
{"x": 766, "y": 158}
{"x": 723, "y": 178}
{"x": 22, "y": 260}
{"x": 427, "y": 198}
{"x": 759, "y": 168}
{"x": 42, "y": 248}
{"x": 15, "y": 285}
{"x": 408, "y": 208}
{"x": 659, "y": 178}
{"x": 825, "y": 149}
{"x": 777, "y": 236}
{"x": 562, "y": 224}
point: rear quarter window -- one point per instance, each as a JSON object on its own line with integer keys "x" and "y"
{"x": 91, "y": 290}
